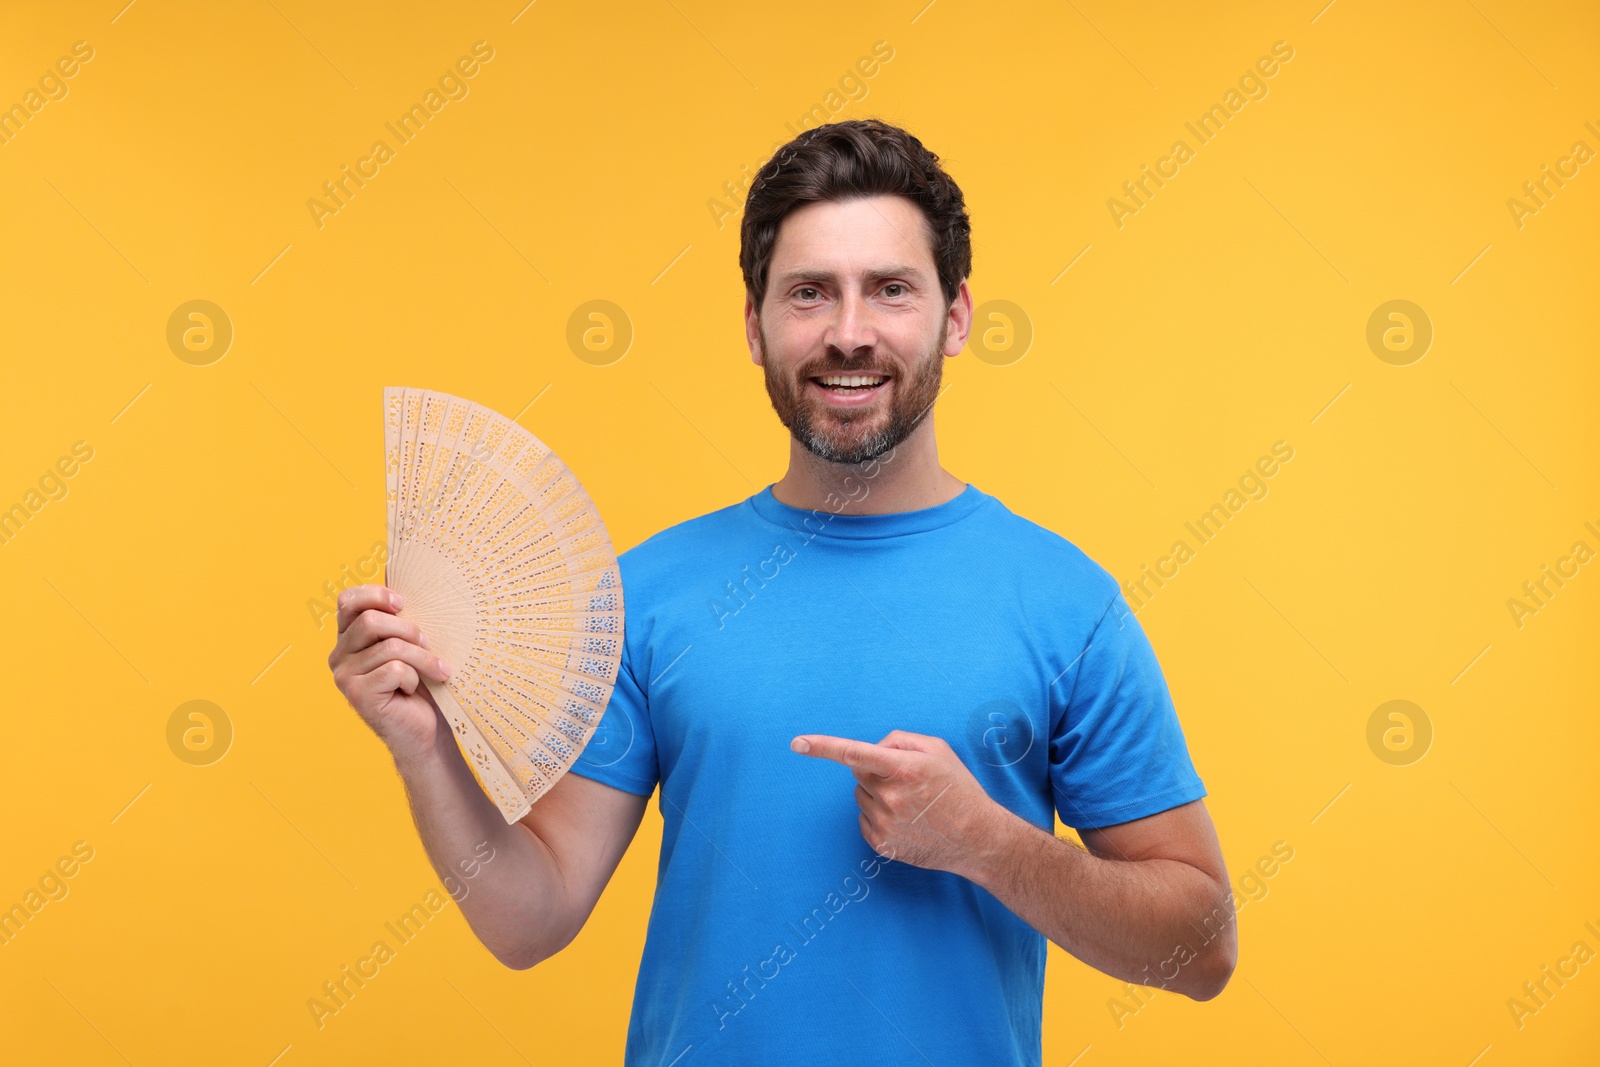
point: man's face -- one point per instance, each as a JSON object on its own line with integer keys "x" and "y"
{"x": 852, "y": 291}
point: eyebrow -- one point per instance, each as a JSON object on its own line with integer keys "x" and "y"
{"x": 876, "y": 275}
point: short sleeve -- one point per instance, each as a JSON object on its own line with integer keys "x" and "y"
{"x": 1117, "y": 752}
{"x": 622, "y": 750}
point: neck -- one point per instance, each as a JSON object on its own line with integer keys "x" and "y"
{"x": 906, "y": 478}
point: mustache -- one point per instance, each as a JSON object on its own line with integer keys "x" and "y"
{"x": 821, "y": 372}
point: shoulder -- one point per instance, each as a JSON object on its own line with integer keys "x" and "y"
{"x": 678, "y": 547}
{"x": 1055, "y": 564}
{"x": 670, "y": 577}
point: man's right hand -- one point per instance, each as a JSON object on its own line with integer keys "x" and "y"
{"x": 378, "y": 663}
{"x": 549, "y": 867}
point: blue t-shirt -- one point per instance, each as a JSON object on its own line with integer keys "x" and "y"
{"x": 777, "y": 935}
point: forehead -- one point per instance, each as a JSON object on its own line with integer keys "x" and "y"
{"x": 852, "y": 236}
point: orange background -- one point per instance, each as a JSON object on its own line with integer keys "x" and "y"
{"x": 1163, "y": 357}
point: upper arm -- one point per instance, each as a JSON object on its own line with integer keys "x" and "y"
{"x": 1184, "y": 833}
{"x": 1117, "y": 752}
{"x": 586, "y": 826}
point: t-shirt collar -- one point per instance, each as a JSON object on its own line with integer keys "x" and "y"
{"x": 823, "y": 522}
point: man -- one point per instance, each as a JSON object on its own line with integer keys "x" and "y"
{"x": 863, "y": 692}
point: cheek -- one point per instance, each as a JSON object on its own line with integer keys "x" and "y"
{"x": 793, "y": 345}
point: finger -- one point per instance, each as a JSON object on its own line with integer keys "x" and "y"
{"x": 856, "y": 754}
{"x": 373, "y": 625}
{"x": 865, "y": 798}
{"x": 870, "y": 782}
{"x": 908, "y": 741}
{"x": 355, "y": 600}
{"x": 870, "y": 834}
{"x": 395, "y": 648}
{"x": 392, "y": 676}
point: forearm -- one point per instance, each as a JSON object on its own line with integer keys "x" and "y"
{"x": 516, "y": 902}
{"x": 1157, "y": 922}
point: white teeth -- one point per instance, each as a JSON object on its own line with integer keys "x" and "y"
{"x": 852, "y": 379}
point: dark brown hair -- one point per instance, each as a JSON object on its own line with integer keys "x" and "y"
{"x": 845, "y": 161}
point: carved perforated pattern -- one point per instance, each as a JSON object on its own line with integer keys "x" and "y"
{"x": 503, "y": 561}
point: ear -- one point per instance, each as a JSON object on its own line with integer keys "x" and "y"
{"x": 960, "y": 321}
{"x": 752, "y": 331}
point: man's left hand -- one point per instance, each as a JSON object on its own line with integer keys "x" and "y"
{"x": 919, "y": 803}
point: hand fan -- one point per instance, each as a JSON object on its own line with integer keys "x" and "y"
{"x": 503, "y": 561}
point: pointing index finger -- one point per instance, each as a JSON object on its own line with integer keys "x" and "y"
{"x": 858, "y": 755}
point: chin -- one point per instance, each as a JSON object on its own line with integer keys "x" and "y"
{"x": 850, "y": 450}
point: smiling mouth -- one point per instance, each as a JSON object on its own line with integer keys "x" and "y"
{"x": 850, "y": 384}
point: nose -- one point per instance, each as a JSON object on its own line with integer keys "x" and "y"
{"x": 852, "y": 330}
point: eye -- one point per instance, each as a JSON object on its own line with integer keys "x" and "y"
{"x": 895, "y": 285}
{"x": 804, "y": 290}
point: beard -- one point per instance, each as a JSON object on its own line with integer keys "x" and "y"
{"x": 855, "y": 436}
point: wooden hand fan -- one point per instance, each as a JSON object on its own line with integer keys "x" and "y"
{"x": 503, "y": 561}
